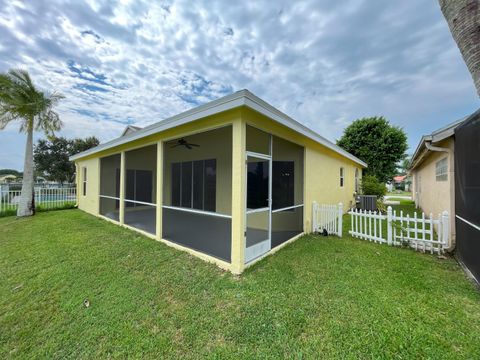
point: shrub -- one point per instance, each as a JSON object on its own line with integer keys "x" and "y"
{"x": 371, "y": 186}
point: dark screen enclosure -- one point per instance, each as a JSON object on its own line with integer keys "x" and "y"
{"x": 197, "y": 192}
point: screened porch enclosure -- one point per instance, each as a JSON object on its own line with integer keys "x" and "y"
{"x": 197, "y": 192}
{"x": 196, "y": 180}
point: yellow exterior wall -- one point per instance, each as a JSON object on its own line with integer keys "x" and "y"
{"x": 433, "y": 196}
{"x": 89, "y": 203}
{"x": 322, "y": 180}
{"x": 321, "y": 167}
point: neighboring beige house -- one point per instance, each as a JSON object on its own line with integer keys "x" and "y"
{"x": 5, "y": 179}
{"x": 432, "y": 172}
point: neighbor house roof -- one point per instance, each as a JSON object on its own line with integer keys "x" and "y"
{"x": 235, "y": 100}
{"x": 435, "y": 137}
{"x": 399, "y": 178}
{"x": 130, "y": 129}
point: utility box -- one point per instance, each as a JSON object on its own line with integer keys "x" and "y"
{"x": 367, "y": 202}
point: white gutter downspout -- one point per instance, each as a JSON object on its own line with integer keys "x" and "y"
{"x": 429, "y": 146}
{"x": 77, "y": 185}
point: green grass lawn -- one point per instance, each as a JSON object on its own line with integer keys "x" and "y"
{"x": 317, "y": 298}
{"x": 399, "y": 192}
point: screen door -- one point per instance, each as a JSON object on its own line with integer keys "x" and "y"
{"x": 258, "y": 206}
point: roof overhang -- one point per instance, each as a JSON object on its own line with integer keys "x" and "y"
{"x": 229, "y": 102}
{"x": 434, "y": 138}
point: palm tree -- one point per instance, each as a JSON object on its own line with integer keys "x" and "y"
{"x": 463, "y": 18}
{"x": 21, "y": 100}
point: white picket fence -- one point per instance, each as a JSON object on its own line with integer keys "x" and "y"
{"x": 47, "y": 198}
{"x": 327, "y": 217}
{"x": 419, "y": 232}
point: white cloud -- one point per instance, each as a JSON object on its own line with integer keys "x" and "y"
{"x": 322, "y": 62}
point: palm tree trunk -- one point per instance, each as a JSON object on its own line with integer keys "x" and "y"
{"x": 463, "y": 18}
{"x": 26, "y": 205}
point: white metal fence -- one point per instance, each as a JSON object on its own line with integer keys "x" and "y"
{"x": 419, "y": 232}
{"x": 327, "y": 217}
{"x": 45, "y": 198}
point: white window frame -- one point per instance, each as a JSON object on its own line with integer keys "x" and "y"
{"x": 441, "y": 170}
{"x": 84, "y": 181}
{"x": 342, "y": 176}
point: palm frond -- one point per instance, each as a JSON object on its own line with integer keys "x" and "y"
{"x": 5, "y": 119}
{"x": 21, "y": 100}
{"x": 22, "y": 77}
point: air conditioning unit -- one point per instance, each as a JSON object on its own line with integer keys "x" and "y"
{"x": 367, "y": 202}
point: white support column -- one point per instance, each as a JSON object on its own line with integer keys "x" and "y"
{"x": 340, "y": 219}
{"x": 122, "y": 188}
{"x": 314, "y": 216}
{"x": 389, "y": 225}
{"x": 159, "y": 185}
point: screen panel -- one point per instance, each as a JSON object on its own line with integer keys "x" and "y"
{"x": 205, "y": 233}
{"x": 210, "y": 186}
{"x": 283, "y": 184}
{"x": 176, "y": 183}
{"x": 198, "y": 177}
{"x": 143, "y": 217}
{"x": 187, "y": 184}
{"x": 110, "y": 208}
{"x": 286, "y": 224}
{"x": 257, "y": 183}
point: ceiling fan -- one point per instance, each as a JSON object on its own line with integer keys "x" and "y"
{"x": 183, "y": 142}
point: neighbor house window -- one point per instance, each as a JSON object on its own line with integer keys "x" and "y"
{"x": 84, "y": 181}
{"x": 441, "y": 170}
{"x": 194, "y": 184}
{"x": 342, "y": 178}
{"x": 356, "y": 181}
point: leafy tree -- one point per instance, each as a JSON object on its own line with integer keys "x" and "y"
{"x": 404, "y": 166}
{"x": 51, "y": 156}
{"x": 22, "y": 101}
{"x": 371, "y": 186}
{"x": 79, "y": 145}
{"x": 376, "y": 142}
{"x": 10, "y": 172}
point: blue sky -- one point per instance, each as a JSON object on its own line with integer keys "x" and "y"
{"x": 325, "y": 63}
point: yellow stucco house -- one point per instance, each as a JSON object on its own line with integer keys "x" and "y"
{"x": 230, "y": 181}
